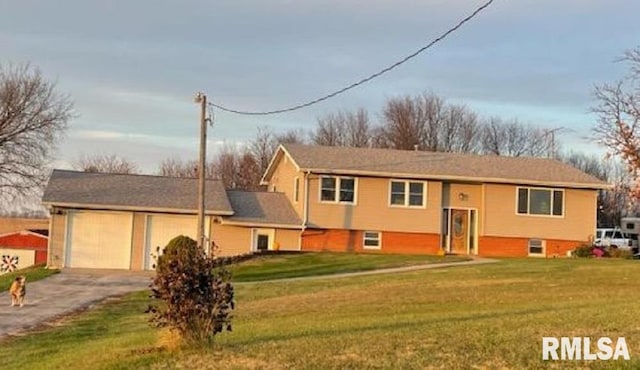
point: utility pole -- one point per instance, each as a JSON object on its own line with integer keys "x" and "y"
{"x": 201, "y": 98}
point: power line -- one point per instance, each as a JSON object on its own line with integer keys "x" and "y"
{"x": 364, "y": 80}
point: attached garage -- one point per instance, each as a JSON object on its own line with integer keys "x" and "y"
{"x": 162, "y": 228}
{"x": 99, "y": 239}
{"x": 116, "y": 221}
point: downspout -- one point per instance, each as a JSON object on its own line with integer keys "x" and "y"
{"x": 305, "y": 208}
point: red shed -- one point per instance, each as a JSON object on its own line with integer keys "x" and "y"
{"x": 27, "y": 240}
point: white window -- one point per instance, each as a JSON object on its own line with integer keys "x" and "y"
{"x": 536, "y": 247}
{"x": 338, "y": 189}
{"x": 296, "y": 189}
{"x": 371, "y": 240}
{"x": 407, "y": 193}
{"x": 540, "y": 201}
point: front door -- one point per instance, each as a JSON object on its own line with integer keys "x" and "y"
{"x": 459, "y": 231}
{"x": 262, "y": 243}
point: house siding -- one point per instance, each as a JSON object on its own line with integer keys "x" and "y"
{"x": 352, "y": 241}
{"x": 457, "y": 195}
{"x": 57, "y": 237}
{"x": 138, "y": 241}
{"x": 288, "y": 240}
{"x": 283, "y": 179}
{"x": 372, "y": 211}
{"x": 231, "y": 240}
{"x": 501, "y": 220}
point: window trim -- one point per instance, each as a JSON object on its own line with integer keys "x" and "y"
{"x": 551, "y": 205}
{"x": 543, "y": 245}
{"x": 336, "y": 189}
{"x": 378, "y": 238}
{"x": 296, "y": 189}
{"x": 407, "y": 187}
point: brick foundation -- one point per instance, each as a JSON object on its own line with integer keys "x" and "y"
{"x": 419, "y": 243}
{"x": 352, "y": 241}
{"x": 492, "y": 246}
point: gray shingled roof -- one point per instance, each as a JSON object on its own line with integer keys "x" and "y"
{"x": 116, "y": 191}
{"x": 436, "y": 165}
{"x": 261, "y": 208}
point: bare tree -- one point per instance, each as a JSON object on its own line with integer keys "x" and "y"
{"x": 358, "y": 130}
{"x": 404, "y": 123}
{"x": 226, "y": 165}
{"x": 613, "y": 203}
{"x": 248, "y": 175}
{"x": 459, "y": 131}
{"x": 432, "y": 108}
{"x": 330, "y": 130}
{"x": 263, "y": 146}
{"x": 175, "y": 167}
{"x": 514, "y": 139}
{"x": 430, "y": 123}
{"x": 343, "y": 129}
{"x": 33, "y": 117}
{"x": 379, "y": 138}
{"x": 617, "y": 202}
{"x": 105, "y": 163}
{"x": 292, "y": 136}
{"x": 618, "y": 110}
{"x": 591, "y": 164}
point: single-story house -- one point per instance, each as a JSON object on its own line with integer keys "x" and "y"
{"x": 22, "y": 249}
{"x": 331, "y": 199}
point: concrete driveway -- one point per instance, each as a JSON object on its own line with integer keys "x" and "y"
{"x": 63, "y": 293}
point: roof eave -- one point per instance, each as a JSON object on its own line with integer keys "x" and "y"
{"x": 261, "y": 224}
{"x": 112, "y": 207}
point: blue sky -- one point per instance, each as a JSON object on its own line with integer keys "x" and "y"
{"x": 132, "y": 67}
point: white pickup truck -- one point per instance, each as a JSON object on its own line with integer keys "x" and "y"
{"x": 614, "y": 237}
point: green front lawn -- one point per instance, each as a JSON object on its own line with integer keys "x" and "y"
{"x": 32, "y": 273}
{"x": 281, "y": 266}
{"x": 484, "y": 316}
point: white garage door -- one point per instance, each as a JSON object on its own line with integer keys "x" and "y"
{"x": 162, "y": 228}
{"x": 99, "y": 240}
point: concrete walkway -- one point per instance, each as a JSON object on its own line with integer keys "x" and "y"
{"x": 428, "y": 266}
{"x": 74, "y": 290}
{"x": 64, "y": 293}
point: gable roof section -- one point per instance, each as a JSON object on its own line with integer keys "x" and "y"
{"x": 434, "y": 165}
{"x": 261, "y": 208}
{"x": 133, "y": 192}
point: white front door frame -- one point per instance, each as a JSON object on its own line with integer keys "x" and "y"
{"x": 254, "y": 238}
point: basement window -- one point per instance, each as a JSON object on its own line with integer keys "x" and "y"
{"x": 536, "y": 247}
{"x": 371, "y": 240}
